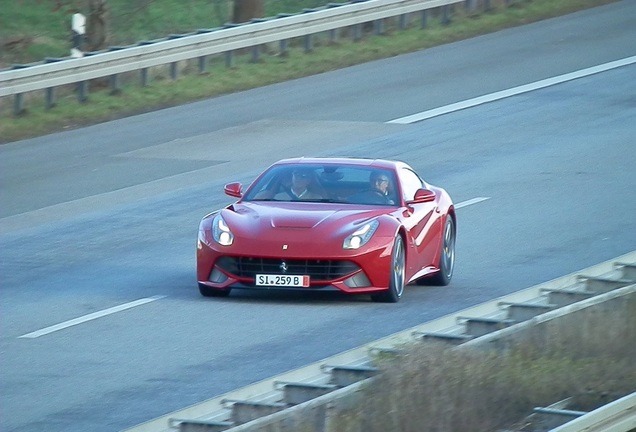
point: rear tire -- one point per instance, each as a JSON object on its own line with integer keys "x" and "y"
{"x": 206, "y": 291}
{"x": 396, "y": 283}
{"x": 447, "y": 256}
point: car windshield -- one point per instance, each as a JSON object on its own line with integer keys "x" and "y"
{"x": 349, "y": 184}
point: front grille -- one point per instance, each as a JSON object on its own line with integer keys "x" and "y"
{"x": 317, "y": 270}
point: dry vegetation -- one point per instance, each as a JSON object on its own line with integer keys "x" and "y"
{"x": 589, "y": 356}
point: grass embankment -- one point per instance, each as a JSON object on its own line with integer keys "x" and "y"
{"x": 588, "y": 355}
{"x": 39, "y": 32}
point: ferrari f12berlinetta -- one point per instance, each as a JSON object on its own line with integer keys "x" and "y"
{"x": 360, "y": 226}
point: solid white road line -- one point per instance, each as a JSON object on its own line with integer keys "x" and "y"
{"x": 513, "y": 91}
{"x": 89, "y": 317}
{"x": 471, "y": 202}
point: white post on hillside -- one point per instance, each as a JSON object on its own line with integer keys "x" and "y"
{"x": 79, "y": 29}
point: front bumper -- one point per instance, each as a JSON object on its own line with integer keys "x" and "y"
{"x": 353, "y": 272}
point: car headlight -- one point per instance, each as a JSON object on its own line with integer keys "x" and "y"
{"x": 361, "y": 236}
{"x": 221, "y": 232}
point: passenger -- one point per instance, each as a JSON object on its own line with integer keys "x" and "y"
{"x": 380, "y": 185}
{"x": 300, "y": 188}
{"x": 378, "y": 192}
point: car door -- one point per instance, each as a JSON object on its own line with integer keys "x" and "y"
{"x": 421, "y": 221}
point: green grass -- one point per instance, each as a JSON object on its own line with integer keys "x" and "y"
{"x": 132, "y": 21}
{"x": 45, "y": 24}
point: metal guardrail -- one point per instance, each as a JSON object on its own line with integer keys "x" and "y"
{"x": 617, "y": 416}
{"x": 117, "y": 60}
{"x": 336, "y": 378}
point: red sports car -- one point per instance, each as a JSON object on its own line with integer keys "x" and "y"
{"x": 359, "y": 226}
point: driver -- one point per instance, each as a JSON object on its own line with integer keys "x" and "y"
{"x": 300, "y": 187}
{"x": 380, "y": 185}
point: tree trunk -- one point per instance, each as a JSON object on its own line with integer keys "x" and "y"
{"x": 97, "y": 25}
{"x": 245, "y": 10}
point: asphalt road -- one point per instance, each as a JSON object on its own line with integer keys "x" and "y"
{"x": 100, "y": 217}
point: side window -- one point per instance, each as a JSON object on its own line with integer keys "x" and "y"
{"x": 411, "y": 182}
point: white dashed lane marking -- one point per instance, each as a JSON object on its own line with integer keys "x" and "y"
{"x": 89, "y": 317}
{"x": 471, "y": 202}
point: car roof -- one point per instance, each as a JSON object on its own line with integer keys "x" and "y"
{"x": 376, "y": 163}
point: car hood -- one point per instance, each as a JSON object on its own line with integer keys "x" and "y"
{"x": 258, "y": 219}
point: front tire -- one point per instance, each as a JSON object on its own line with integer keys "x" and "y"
{"x": 206, "y": 291}
{"x": 396, "y": 283}
{"x": 447, "y": 255}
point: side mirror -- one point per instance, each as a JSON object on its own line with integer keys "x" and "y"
{"x": 423, "y": 196}
{"x": 233, "y": 190}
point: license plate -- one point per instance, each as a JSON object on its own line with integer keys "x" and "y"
{"x": 282, "y": 280}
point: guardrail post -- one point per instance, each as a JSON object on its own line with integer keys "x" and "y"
{"x": 229, "y": 55}
{"x": 202, "y": 64}
{"x": 49, "y": 97}
{"x": 82, "y": 91}
{"x": 115, "y": 84}
{"x": 256, "y": 49}
{"x": 378, "y": 27}
{"x": 284, "y": 47}
{"x": 283, "y": 43}
{"x": 144, "y": 71}
{"x": 173, "y": 71}
{"x": 487, "y": 6}
{"x": 18, "y": 104}
{"x": 18, "y": 99}
{"x": 424, "y": 19}
{"x": 357, "y": 32}
{"x": 308, "y": 40}
{"x": 229, "y": 59}
{"x": 333, "y": 35}
{"x": 144, "y": 77}
{"x": 404, "y": 21}
{"x": 446, "y": 15}
{"x": 309, "y": 43}
{"x": 256, "y": 54}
